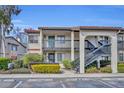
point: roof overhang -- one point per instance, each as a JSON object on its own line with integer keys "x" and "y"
{"x": 31, "y": 31}
{"x": 101, "y": 28}
{"x": 60, "y": 28}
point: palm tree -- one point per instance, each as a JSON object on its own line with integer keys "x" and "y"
{"x": 6, "y": 13}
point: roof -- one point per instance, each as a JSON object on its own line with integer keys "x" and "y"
{"x": 16, "y": 41}
{"x": 31, "y": 31}
{"x": 100, "y": 28}
{"x": 56, "y": 28}
{"x": 83, "y": 28}
{"x": 75, "y": 28}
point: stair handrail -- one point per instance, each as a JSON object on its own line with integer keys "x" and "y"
{"x": 97, "y": 49}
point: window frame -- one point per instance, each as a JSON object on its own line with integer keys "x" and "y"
{"x": 61, "y": 39}
{"x": 59, "y": 57}
{"x": 33, "y": 39}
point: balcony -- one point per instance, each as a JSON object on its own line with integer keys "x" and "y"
{"x": 120, "y": 45}
{"x": 63, "y": 45}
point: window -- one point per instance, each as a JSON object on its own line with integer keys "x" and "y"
{"x": 121, "y": 56}
{"x": 121, "y": 43}
{"x": 120, "y": 37}
{"x": 33, "y": 39}
{"x": 61, "y": 38}
{"x": 60, "y": 57}
{"x": 13, "y": 47}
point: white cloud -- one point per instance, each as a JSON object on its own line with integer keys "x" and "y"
{"x": 26, "y": 26}
{"x": 17, "y": 21}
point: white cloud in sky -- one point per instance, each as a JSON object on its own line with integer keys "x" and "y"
{"x": 21, "y": 24}
{"x": 17, "y": 21}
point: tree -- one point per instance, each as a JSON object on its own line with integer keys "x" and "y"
{"x": 6, "y": 13}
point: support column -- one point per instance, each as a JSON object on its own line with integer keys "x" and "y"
{"x": 82, "y": 52}
{"x": 3, "y": 40}
{"x": 98, "y": 39}
{"x": 47, "y": 59}
{"x": 72, "y": 45}
{"x": 98, "y": 63}
{"x": 56, "y": 61}
{"x": 41, "y": 41}
{"x": 114, "y": 54}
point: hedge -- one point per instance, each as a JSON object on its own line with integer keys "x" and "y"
{"x": 4, "y": 63}
{"x": 121, "y": 67}
{"x": 92, "y": 70}
{"x": 45, "y": 68}
{"x": 16, "y": 71}
{"x": 106, "y": 70}
{"x": 101, "y": 70}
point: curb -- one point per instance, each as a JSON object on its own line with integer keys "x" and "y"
{"x": 119, "y": 75}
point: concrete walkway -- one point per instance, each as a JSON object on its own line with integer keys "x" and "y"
{"x": 120, "y": 75}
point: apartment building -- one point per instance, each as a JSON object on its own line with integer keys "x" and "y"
{"x": 88, "y": 43}
{"x": 13, "y": 48}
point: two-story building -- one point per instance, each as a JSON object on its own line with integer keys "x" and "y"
{"x": 88, "y": 43}
{"x": 13, "y": 48}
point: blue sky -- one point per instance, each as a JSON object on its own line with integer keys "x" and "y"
{"x": 37, "y": 16}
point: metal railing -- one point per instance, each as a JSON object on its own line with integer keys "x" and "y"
{"x": 59, "y": 44}
{"x": 120, "y": 45}
{"x": 65, "y": 44}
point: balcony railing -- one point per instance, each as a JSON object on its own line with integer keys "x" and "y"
{"x": 64, "y": 44}
{"x": 120, "y": 45}
{"x": 59, "y": 44}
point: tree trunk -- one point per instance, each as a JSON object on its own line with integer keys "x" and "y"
{"x": 3, "y": 40}
{"x": 0, "y": 42}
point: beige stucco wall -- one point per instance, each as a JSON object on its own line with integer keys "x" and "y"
{"x": 66, "y": 55}
{"x": 34, "y": 47}
{"x": 67, "y": 35}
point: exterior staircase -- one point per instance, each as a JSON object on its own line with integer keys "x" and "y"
{"x": 95, "y": 53}
{"x": 100, "y": 51}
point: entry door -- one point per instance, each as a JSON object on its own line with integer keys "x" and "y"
{"x": 51, "y": 41}
{"x": 51, "y": 57}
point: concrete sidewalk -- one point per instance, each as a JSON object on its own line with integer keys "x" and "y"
{"x": 110, "y": 75}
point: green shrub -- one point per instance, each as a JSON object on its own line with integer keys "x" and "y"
{"x": 20, "y": 71}
{"x": 92, "y": 70}
{"x": 18, "y": 63}
{"x": 93, "y": 64}
{"x": 16, "y": 71}
{"x": 75, "y": 63}
{"x": 45, "y": 68}
{"x": 105, "y": 70}
{"x": 4, "y": 63}
{"x": 32, "y": 58}
{"x": 121, "y": 67}
{"x": 101, "y": 70}
{"x": 67, "y": 63}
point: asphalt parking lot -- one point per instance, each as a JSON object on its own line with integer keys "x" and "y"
{"x": 62, "y": 83}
